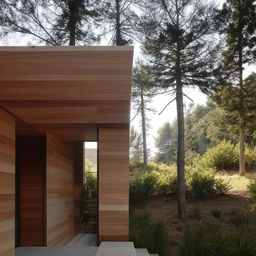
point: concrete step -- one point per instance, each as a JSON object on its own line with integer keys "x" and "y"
{"x": 141, "y": 252}
{"x": 116, "y": 249}
{"x": 56, "y": 251}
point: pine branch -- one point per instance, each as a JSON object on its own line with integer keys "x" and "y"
{"x": 166, "y": 106}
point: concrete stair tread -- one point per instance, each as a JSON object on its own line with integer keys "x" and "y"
{"x": 56, "y": 251}
{"x": 117, "y": 244}
{"x": 141, "y": 252}
{"x": 116, "y": 249}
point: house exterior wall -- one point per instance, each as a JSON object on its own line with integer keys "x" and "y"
{"x": 7, "y": 184}
{"x": 113, "y": 182}
{"x": 60, "y": 192}
{"x": 67, "y": 103}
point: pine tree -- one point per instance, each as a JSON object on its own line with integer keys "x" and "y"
{"x": 176, "y": 34}
{"x": 76, "y": 21}
{"x": 51, "y": 22}
{"x": 237, "y": 21}
{"x": 121, "y": 21}
{"x": 229, "y": 99}
{"x": 136, "y": 150}
{"x": 166, "y": 143}
{"x": 142, "y": 93}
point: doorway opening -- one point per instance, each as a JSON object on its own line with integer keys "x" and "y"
{"x": 89, "y": 213}
{"x": 30, "y": 191}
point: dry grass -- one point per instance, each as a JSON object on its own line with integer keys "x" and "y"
{"x": 165, "y": 206}
{"x": 238, "y": 183}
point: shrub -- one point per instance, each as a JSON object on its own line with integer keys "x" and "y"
{"x": 217, "y": 214}
{"x": 158, "y": 179}
{"x": 252, "y": 188}
{"x": 196, "y": 213}
{"x": 250, "y": 158}
{"x": 212, "y": 239}
{"x": 149, "y": 232}
{"x": 222, "y": 157}
{"x": 239, "y": 218}
{"x": 90, "y": 185}
{"x": 89, "y": 193}
{"x": 201, "y": 185}
{"x": 204, "y": 184}
{"x": 142, "y": 186}
{"x": 225, "y": 156}
{"x": 162, "y": 179}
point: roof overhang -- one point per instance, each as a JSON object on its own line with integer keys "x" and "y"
{"x": 66, "y": 88}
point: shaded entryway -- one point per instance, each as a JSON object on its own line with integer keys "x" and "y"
{"x": 30, "y": 191}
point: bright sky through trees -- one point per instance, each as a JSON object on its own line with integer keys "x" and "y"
{"x": 158, "y": 103}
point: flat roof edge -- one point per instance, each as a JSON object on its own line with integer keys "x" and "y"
{"x": 66, "y": 48}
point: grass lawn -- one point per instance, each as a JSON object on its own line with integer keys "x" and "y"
{"x": 238, "y": 183}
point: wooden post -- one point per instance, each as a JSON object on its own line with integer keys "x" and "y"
{"x": 113, "y": 182}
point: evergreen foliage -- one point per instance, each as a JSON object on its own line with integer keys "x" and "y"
{"x": 51, "y": 22}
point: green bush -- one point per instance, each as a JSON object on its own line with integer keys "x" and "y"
{"x": 195, "y": 213}
{"x": 156, "y": 179}
{"x": 239, "y": 218}
{"x": 225, "y": 156}
{"x": 252, "y": 188}
{"x": 250, "y": 158}
{"x": 90, "y": 185}
{"x": 162, "y": 179}
{"x": 142, "y": 186}
{"x": 204, "y": 184}
{"x": 216, "y": 213}
{"x": 222, "y": 157}
{"x": 214, "y": 239}
{"x": 89, "y": 193}
{"x": 149, "y": 232}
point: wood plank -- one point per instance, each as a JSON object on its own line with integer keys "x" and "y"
{"x": 7, "y": 184}
{"x": 113, "y": 183}
{"x": 69, "y": 112}
{"x": 60, "y": 188}
{"x": 54, "y": 73}
{"x": 70, "y": 132}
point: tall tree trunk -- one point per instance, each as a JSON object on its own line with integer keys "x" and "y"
{"x": 242, "y": 111}
{"x": 72, "y": 22}
{"x": 182, "y": 208}
{"x": 182, "y": 205}
{"x": 242, "y": 146}
{"x": 143, "y": 122}
{"x": 118, "y": 25}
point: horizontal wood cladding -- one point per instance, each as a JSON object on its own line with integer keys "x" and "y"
{"x": 72, "y": 112}
{"x": 31, "y": 168}
{"x": 69, "y": 74}
{"x": 70, "y": 132}
{"x": 60, "y": 191}
{"x": 7, "y": 184}
{"x": 63, "y": 132}
{"x": 113, "y": 183}
{"x": 87, "y": 88}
